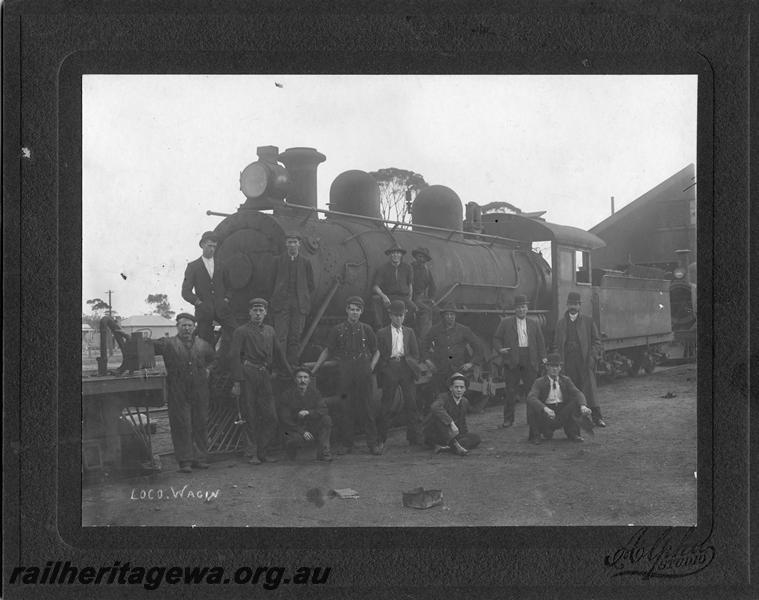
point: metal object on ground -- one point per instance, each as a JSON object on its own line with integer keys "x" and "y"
{"x": 421, "y": 498}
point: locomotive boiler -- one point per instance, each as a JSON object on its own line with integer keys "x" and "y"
{"x": 478, "y": 270}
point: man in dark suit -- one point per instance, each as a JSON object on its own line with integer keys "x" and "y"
{"x": 445, "y": 426}
{"x": 520, "y": 341}
{"x": 205, "y": 287}
{"x": 577, "y": 341}
{"x": 554, "y": 402}
{"x": 424, "y": 290}
{"x": 304, "y": 417}
{"x": 399, "y": 360}
{"x": 293, "y": 285}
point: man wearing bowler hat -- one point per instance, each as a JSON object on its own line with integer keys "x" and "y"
{"x": 187, "y": 359}
{"x": 577, "y": 341}
{"x": 445, "y": 427}
{"x": 555, "y": 402}
{"x": 424, "y": 290}
{"x": 293, "y": 288}
{"x": 354, "y": 345}
{"x": 399, "y": 364}
{"x": 520, "y": 341}
{"x": 392, "y": 281}
{"x": 205, "y": 287}
{"x": 255, "y": 350}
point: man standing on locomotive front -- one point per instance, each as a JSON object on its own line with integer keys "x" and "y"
{"x": 255, "y": 349}
{"x": 577, "y": 341}
{"x": 354, "y": 345}
{"x": 393, "y": 281}
{"x": 205, "y": 287}
{"x": 521, "y": 342}
{"x": 187, "y": 359}
{"x": 399, "y": 356}
{"x": 293, "y": 287}
{"x": 424, "y": 290}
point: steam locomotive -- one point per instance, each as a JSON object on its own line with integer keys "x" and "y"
{"x": 480, "y": 261}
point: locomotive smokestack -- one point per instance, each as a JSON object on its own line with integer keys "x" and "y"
{"x": 302, "y": 163}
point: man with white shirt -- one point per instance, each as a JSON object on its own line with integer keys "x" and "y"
{"x": 205, "y": 287}
{"x": 520, "y": 341}
{"x": 577, "y": 341}
{"x": 399, "y": 359}
{"x": 555, "y": 402}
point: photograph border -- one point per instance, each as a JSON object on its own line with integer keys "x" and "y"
{"x": 40, "y": 473}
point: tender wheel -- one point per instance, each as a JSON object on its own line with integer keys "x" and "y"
{"x": 635, "y": 366}
{"x": 648, "y": 364}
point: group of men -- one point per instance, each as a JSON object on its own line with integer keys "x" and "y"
{"x": 394, "y": 353}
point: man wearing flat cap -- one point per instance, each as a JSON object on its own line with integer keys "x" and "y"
{"x": 392, "y": 281}
{"x": 520, "y": 341}
{"x": 255, "y": 350}
{"x": 399, "y": 367}
{"x": 293, "y": 287}
{"x": 554, "y": 402}
{"x": 445, "y": 427}
{"x": 578, "y": 344}
{"x": 424, "y": 290}
{"x": 205, "y": 286}
{"x": 353, "y": 344}
{"x": 450, "y": 347}
{"x": 187, "y": 359}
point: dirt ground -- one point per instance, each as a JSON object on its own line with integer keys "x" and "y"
{"x": 639, "y": 470}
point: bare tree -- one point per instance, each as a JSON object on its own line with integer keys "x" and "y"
{"x": 162, "y": 306}
{"x": 393, "y": 185}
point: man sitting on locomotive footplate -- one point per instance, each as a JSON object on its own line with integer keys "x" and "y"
{"x": 445, "y": 426}
{"x": 521, "y": 342}
{"x": 577, "y": 342}
{"x": 450, "y": 347}
{"x": 354, "y": 345}
{"x": 554, "y": 402}
{"x": 293, "y": 287}
{"x": 399, "y": 358}
{"x": 392, "y": 281}
{"x": 254, "y": 350}
{"x": 187, "y": 359}
{"x": 304, "y": 417}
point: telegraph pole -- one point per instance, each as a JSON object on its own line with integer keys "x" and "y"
{"x": 110, "y": 311}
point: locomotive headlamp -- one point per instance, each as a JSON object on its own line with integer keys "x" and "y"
{"x": 263, "y": 178}
{"x": 679, "y": 273}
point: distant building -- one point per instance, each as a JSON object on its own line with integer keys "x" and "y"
{"x": 151, "y": 326}
{"x": 651, "y": 228}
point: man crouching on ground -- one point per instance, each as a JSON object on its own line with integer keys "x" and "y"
{"x": 555, "y": 402}
{"x": 304, "y": 417}
{"x": 445, "y": 426}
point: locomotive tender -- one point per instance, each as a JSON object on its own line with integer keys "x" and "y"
{"x": 480, "y": 262}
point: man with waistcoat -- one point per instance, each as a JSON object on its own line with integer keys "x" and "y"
{"x": 205, "y": 287}
{"x": 255, "y": 350}
{"x": 554, "y": 402}
{"x": 399, "y": 364}
{"x": 392, "y": 281}
{"x": 578, "y": 344}
{"x": 187, "y": 359}
{"x": 354, "y": 345}
{"x": 520, "y": 341}
{"x": 293, "y": 288}
{"x": 304, "y": 417}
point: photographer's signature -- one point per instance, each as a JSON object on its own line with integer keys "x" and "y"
{"x": 656, "y": 553}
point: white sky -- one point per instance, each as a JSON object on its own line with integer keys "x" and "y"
{"x": 160, "y": 150}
